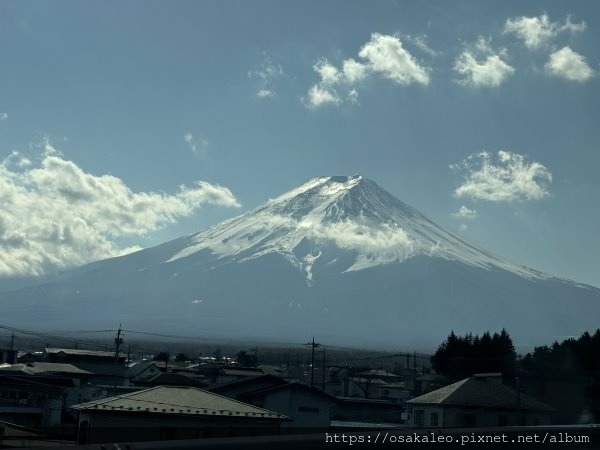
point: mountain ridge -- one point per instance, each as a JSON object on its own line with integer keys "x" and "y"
{"x": 339, "y": 258}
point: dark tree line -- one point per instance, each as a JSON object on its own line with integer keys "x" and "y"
{"x": 567, "y": 375}
{"x": 460, "y": 357}
{"x": 571, "y": 357}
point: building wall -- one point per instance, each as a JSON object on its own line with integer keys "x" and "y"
{"x": 305, "y": 410}
{"x": 422, "y": 416}
{"x": 111, "y": 427}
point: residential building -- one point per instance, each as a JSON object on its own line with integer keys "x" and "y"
{"x": 168, "y": 412}
{"x": 479, "y": 401}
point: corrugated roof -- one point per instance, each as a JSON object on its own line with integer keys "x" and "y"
{"x": 480, "y": 392}
{"x": 180, "y": 401}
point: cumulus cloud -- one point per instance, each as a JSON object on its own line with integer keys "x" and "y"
{"x": 55, "y": 215}
{"x": 319, "y": 96}
{"x": 566, "y": 63}
{"x": 267, "y": 74}
{"x": 386, "y": 55}
{"x": 510, "y": 178}
{"x": 382, "y": 55}
{"x": 487, "y": 71}
{"x": 198, "y": 145}
{"x": 465, "y": 213}
{"x": 3, "y": 116}
{"x": 536, "y": 32}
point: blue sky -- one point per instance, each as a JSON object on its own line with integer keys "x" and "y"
{"x": 483, "y": 115}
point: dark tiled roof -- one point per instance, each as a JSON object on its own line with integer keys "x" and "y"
{"x": 480, "y": 392}
{"x": 248, "y": 383}
{"x": 293, "y": 385}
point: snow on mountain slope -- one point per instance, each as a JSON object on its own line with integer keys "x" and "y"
{"x": 352, "y": 213}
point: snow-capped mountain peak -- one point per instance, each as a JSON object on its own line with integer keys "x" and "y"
{"x": 351, "y": 213}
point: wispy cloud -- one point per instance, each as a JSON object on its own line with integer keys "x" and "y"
{"x": 382, "y": 55}
{"x": 3, "y": 116}
{"x": 567, "y": 64}
{"x": 465, "y": 213}
{"x": 481, "y": 66}
{"x": 198, "y": 145}
{"x": 55, "y": 215}
{"x": 536, "y": 32}
{"x": 510, "y": 178}
{"x": 266, "y": 74}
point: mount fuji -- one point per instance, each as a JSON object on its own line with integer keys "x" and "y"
{"x": 338, "y": 258}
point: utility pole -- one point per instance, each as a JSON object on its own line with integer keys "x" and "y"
{"x": 118, "y": 342}
{"x": 12, "y": 341}
{"x": 415, "y": 369}
{"x": 313, "y": 344}
{"x": 323, "y": 385}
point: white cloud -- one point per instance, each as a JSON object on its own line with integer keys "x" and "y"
{"x": 536, "y": 32}
{"x": 421, "y": 43}
{"x": 465, "y": 213}
{"x": 509, "y": 179}
{"x": 566, "y": 63}
{"x": 489, "y": 71}
{"x": 386, "y": 55}
{"x": 3, "y": 116}
{"x": 266, "y": 74}
{"x": 319, "y": 96}
{"x": 265, "y": 93}
{"x": 55, "y": 215}
{"x": 354, "y": 71}
{"x": 198, "y": 145}
{"x": 328, "y": 72}
{"x": 383, "y": 55}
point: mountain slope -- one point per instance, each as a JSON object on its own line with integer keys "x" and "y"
{"x": 338, "y": 258}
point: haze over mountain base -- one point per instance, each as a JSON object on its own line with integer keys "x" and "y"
{"x": 338, "y": 258}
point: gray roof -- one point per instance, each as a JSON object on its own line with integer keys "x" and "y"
{"x": 179, "y": 400}
{"x": 480, "y": 392}
{"x": 41, "y": 368}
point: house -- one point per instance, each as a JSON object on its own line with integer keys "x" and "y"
{"x": 479, "y": 401}
{"x": 145, "y": 370}
{"x": 236, "y": 389}
{"x": 77, "y": 356}
{"x": 168, "y": 412}
{"x": 232, "y": 373}
{"x": 14, "y": 435}
{"x": 106, "y": 367}
{"x": 173, "y": 379}
{"x": 306, "y": 407}
{"x": 32, "y": 401}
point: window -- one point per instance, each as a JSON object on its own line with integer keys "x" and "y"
{"x": 434, "y": 419}
{"x": 419, "y": 417}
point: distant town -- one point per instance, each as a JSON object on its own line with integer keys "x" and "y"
{"x": 136, "y": 386}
